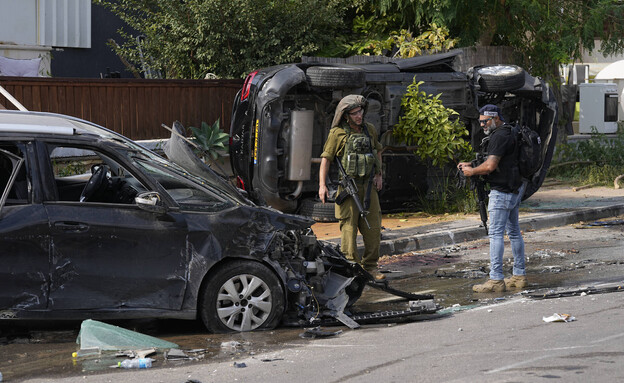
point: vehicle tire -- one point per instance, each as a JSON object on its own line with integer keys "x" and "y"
{"x": 318, "y": 211}
{"x": 500, "y": 78}
{"x": 538, "y": 178}
{"x": 242, "y": 296}
{"x": 335, "y": 77}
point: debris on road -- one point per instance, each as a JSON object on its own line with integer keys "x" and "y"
{"x": 231, "y": 346}
{"x": 559, "y": 318}
{"x": 87, "y": 351}
{"x": 143, "y": 353}
{"x": 271, "y": 359}
{"x": 316, "y": 332}
{"x": 580, "y": 291}
{"x": 135, "y": 363}
{"x": 607, "y": 223}
{"x": 177, "y": 354}
{"x": 108, "y": 337}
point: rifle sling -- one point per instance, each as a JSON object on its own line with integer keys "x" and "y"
{"x": 372, "y": 174}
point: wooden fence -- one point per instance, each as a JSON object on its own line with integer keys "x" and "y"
{"x": 135, "y": 108}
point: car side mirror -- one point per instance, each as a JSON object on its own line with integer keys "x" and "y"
{"x": 150, "y": 201}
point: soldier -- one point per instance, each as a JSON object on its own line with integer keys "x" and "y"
{"x": 354, "y": 142}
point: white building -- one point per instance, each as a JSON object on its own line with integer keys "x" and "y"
{"x": 29, "y": 29}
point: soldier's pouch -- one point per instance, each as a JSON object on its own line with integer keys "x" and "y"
{"x": 342, "y": 211}
{"x": 340, "y": 198}
{"x": 359, "y": 165}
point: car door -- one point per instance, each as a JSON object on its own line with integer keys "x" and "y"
{"x": 24, "y": 238}
{"x": 110, "y": 254}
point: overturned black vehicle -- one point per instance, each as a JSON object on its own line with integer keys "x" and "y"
{"x": 282, "y": 116}
{"x": 93, "y": 225}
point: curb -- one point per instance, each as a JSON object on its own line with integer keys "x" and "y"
{"x": 407, "y": 240}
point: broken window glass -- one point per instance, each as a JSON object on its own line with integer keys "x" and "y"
{"x": 185, "y": 192}
{"x": 74, "y": 168}
{"x": 14, "y": 183}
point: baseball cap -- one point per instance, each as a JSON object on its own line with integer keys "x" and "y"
{"x": 491, "y": 110}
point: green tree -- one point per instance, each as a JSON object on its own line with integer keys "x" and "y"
{"x": 226, "y": 38}
{"x": 405, "y": 45}
{"x": 546, "y": 33}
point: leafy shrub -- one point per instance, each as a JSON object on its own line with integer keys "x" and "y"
{"x": 436, "y": 131}
{"x": 597, "y": 160}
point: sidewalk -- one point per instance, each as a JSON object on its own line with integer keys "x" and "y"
{"x": 550, "y": 206}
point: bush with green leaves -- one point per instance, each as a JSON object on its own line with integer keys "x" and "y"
{"x": 435, "y": 130}
{"x": 597, "y": 160}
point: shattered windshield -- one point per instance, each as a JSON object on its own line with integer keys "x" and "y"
{"x": 136, "y": 150}
{"x": 187, "y": 194}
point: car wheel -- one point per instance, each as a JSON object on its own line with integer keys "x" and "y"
{"x": 335, "y": 77}
{"x": 242, "y": 296}
{"x": 318, "y": 211}
{"x": 500, "y": 78}
{"x": 538, "y": 178}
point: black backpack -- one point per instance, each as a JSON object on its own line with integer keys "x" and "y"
{"x": 529, "y": 145}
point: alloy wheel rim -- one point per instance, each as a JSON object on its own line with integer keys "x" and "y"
{"x": 244, "y": 302}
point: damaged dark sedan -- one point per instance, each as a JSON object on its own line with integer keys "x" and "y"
{"x": 92, "y": 225}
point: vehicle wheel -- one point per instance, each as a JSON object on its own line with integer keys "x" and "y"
{"x": 242, "y": 296}
{"x": 335, "y": 77}
{"x": 500, "y": 78}
{"x": 318, "y": 211}
{"x": 538, "y": 178}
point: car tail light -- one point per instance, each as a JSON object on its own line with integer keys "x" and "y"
{"x": 239, "y": 183}
{"x": 247, "y": 85}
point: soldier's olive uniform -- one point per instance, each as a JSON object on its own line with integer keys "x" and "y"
{"x": 347, "y": 213}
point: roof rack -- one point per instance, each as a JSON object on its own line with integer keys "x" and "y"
{"x": 31, "y": 128}
{"x": 39, "y": 129}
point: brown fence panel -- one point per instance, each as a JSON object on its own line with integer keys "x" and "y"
{"x": 133, "y": 107}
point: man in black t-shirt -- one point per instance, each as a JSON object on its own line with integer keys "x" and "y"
{"x": 501, "y": 172}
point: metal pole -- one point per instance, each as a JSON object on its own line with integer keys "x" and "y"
{"x": 9, "y": 97}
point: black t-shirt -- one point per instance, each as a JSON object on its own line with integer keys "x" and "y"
{"x": 506, "y": 177}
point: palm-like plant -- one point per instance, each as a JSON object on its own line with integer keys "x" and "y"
{"x": 210, "y": 140}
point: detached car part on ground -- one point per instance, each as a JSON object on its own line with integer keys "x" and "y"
{"x": 93, "y": 225}
{"x": 282, "y": 116}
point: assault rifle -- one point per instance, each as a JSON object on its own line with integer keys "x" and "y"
{"x": 350, "y": 189}
{"x": 478, "y": 185}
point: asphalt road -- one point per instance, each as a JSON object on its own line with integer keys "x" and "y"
{"x": 503, "y": 339}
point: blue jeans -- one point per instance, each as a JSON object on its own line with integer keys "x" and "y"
{"x": 503, "y": 210}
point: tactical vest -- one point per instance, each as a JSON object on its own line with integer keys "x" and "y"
{"x": 358, "y": 157}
